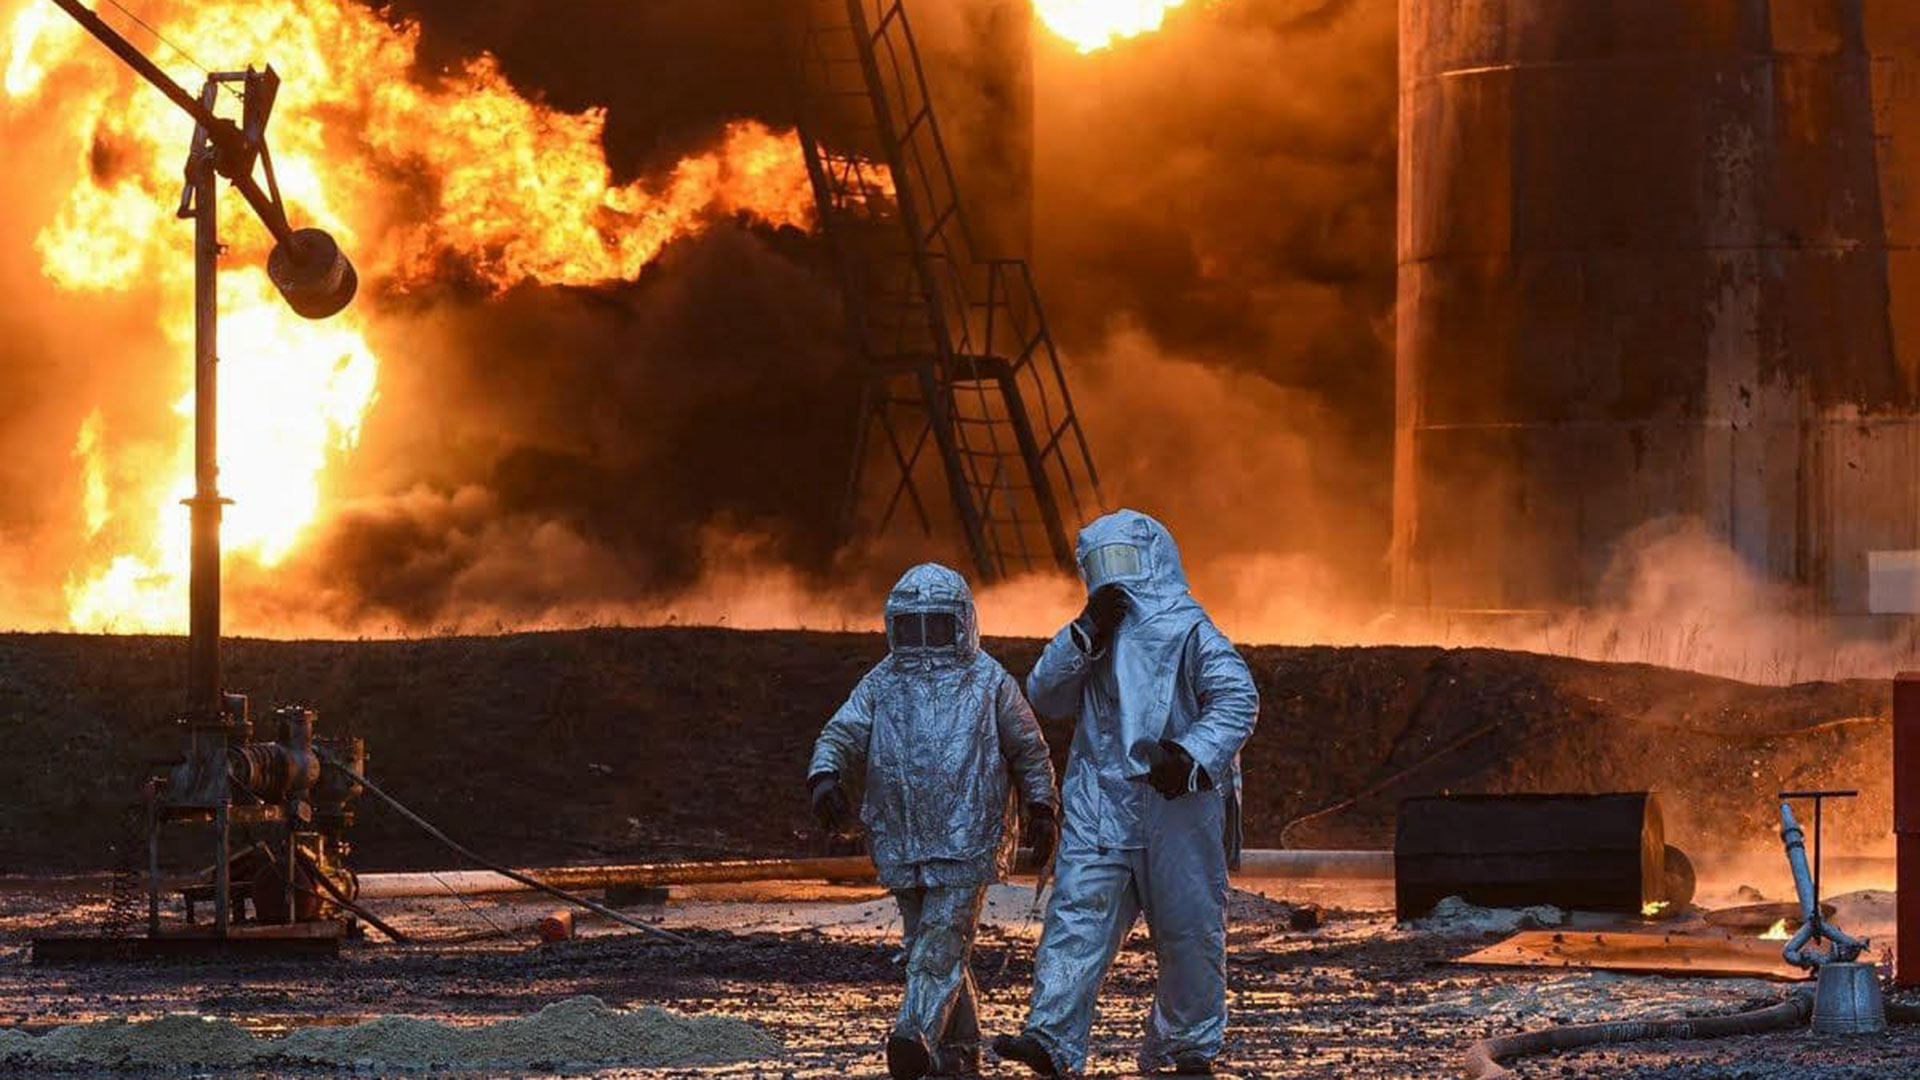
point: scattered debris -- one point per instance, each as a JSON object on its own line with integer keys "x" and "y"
{"x": 1588, "y": 997}
{"x": 1454, "y": 917}
{"x": 1246, "y": 910}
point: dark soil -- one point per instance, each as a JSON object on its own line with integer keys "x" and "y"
{"x": 674, "y": 742}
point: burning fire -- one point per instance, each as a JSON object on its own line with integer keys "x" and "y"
{"x": 1091, "y": 25}
{"x": 411, "y": 177}
{"x": 1777, "y": 932}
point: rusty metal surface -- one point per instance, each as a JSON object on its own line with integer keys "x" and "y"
{"x": 1658, "y": 954}
{"x": 1593, "y": 852}
{"x": 1643, "y": 274}
{"x": 1906, "y": 826}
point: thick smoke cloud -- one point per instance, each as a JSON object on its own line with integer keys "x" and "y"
{"x": 1218, "y": 208}
{"x": 1212, "y": 230}
{"x": 575, "y": 444}
{"x": 1215, "y": 209}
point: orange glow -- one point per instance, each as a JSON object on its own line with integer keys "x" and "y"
{"x": 407, "y": 174}
{"x": 35, "y": 31}
{"x": 1091, "y": 25}
{"x": 1777, "y": 932}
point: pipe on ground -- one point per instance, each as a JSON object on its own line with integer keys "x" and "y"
{"x": 1254, "y": 865}
{"x": 1484, "y": 1058}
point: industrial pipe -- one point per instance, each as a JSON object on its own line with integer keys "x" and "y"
{"x": 1813, "y": 924}
{"x": 1254, "y": 865}
{"x": 1484, "y": 1057}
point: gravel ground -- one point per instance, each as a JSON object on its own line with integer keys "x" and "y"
{"x": 815, "y": 966}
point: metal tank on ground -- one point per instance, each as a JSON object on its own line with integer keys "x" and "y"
{"x": 1644, "y": 277}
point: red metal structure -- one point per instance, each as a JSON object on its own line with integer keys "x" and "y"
{"x": 1906, "y": 826}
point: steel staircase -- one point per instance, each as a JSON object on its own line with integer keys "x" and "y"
{"x": 955, "y": 344}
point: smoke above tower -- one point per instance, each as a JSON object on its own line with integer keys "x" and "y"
{"x": 597, "y": 371}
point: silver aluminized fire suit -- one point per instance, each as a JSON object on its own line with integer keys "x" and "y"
{"x": 940, "y": 725}
{"x": 1125, "y": 849}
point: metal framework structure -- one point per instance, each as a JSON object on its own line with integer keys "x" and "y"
{"x": 225, "y": 778}
{"x": 956, "y": 346}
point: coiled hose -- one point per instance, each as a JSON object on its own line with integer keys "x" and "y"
{"x": 1484, "y": 1057}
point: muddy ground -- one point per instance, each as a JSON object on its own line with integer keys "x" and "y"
{"x": 683, "y": 742}
{"x": 673, "y": 743}
{"x": 816, "y": 967}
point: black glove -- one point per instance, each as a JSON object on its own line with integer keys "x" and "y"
{"x": 1169, "y": 768}
{"x": 831, "y": 806}
{"x": 1102, "y": 615}
{"x": 1043, "y": 833}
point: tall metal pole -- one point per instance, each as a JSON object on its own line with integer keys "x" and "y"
{"x": 204, "y": 701}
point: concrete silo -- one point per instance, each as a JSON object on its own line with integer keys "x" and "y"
{"x": 1644, "y": 275}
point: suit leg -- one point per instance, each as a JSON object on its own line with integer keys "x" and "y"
{"x": 937, "y": 964}
{"x": 1183, "y": 875}
{"x": 1094, "y": 905}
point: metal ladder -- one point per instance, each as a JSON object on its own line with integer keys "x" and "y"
{"x": 955, "y": 345}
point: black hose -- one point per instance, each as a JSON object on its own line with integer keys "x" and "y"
{"x": 504, "y": 871}
{"x": 341, "y": 898}
{"x": 1484, "y": 1057}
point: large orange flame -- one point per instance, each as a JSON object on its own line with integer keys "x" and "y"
{"x": 404, "y": 172}
{"x": 1091, "y": 25}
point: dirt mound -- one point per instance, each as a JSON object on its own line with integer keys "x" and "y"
{"x": 690, "y": 742}
{"x": 577, "y": 1031}
{"x": 150, "y": 1044}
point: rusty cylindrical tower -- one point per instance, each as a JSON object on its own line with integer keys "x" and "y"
{"x": 1643, "y": 275}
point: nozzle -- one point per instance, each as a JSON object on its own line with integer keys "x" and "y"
{"x": 313, "y": 274}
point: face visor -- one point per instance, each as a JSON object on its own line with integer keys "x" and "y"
{"x": 924, "y": 630}
{"x": 1109, "y": 563}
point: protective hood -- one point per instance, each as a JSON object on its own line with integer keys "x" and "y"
{"x": 930, "y": 616}
{"x": 1133, "y": 550}
{"x": 939, "y": 725}
{"x": 1130, "y": 549}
